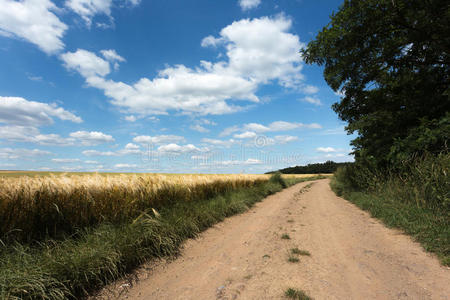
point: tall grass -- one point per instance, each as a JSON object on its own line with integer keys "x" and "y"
{"x": 32, "y": 208}
{"x": 73, "y": 267}
{"x": 415, "y": 198}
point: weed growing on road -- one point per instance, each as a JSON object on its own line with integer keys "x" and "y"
{"x": 293, "y": 259}
{"x": 300, "y": 252}
{"x": 296, "y": 294}
{"x": 285, "y": 236}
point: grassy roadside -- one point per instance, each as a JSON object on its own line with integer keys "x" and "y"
{"x": 94, "y": 257}
{"x": 429, "y": 227}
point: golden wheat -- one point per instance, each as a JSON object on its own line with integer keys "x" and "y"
{"x": 33, "y": 207}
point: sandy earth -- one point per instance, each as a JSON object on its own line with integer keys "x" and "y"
{"x": 353, "y": 256}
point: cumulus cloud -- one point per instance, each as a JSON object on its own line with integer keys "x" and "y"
{"x": 33, "y": 21}
{"x": 86, "y": 63}
{"x": 312, "y": 100}
{"x": 111, "y": 55}
{"x": 249, "y": 4}
{"x": 249, "y": 161}
{"x": 33, "y": 135}
{"x": 125, "y": 166}
{"x": 91, "y": 162}
{"x": 91, "y": 138}
{"x": 176, "y": 149}
{"x": 245, "y": 135}
{"x": 199, "y": 128}
{"x": 130, "y": 118}
{"x": 309, "y": 89}
{"x": 284, "y": 139}
{"x": 222, "y": 143}
{"x": 249, "y": 130}
{"x": 158, "y": 139}
{"x": 10, "y": 153}
{"x": 87, "y": 9}
{"x": 65, "y": 160}
{"x": 131, "y": 146}
{"x": 325, "y": 149}
{"x": 98, "y": 153}
{"x": 258, "y": 51}
{"x": 19, "y": 111}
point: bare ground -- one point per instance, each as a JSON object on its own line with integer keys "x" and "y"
{"x": 353, "y": 256}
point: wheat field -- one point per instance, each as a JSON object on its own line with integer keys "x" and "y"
{"x": 33, "y": 207}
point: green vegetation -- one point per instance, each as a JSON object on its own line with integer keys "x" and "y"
{"x": 296, "y": 294}
{"x": 300, "y": 252}
{"x": 417, "y": 202}
{"x": 94, "y": 256}
{"x": 285, "y": 236}
{"x": 390, "y": 61}
{"x": 293, "y": 259}
{"x": 327, "y": 167}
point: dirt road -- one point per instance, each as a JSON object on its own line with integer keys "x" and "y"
{"x": 353, "y": 256}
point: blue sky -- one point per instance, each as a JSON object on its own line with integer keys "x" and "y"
{"x": 164, "y": 86}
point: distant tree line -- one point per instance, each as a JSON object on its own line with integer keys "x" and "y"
{"x": 318, "y": 168}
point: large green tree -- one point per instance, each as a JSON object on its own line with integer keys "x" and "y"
{"x": 390, "y": 60}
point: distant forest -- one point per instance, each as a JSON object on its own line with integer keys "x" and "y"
{"x": 319, "y": 168}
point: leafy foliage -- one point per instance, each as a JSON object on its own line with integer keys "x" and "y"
{"x": 327, "y": 167}
{"x": 390, "y": 60}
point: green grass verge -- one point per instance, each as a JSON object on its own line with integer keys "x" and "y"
{"x": 94, "y": 257}
{"x": 429, "y": 227}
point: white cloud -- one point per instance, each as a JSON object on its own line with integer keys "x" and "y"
{"x": 284, "y": 126}
{"x": 284, "y": 139}
{"x": 249, "y": 161}
{"x": 131, "y": 146}
{"x": 86, "y": 63}
{"x": 254, "y": 128}
{"x": 245, "y": 135}
{"x": 229, "y": 130}
{"x": 10, "y": 153}
{"x": 111, "y": 55}
{"x": 211, "y": 41}
{"x": 87, "y": 9}
{"x": 91, "y": 162}
{"x": 91, "y": 138}
{"x": 159, "y": 139}
{"x": 199, "y": 128}
{"x": 309, "y": 89}
{"x": 130, "y": 118}
{"x": 222, "y": 143}
{"x": 174, "y": 148}
{"x": 32, "y": 135}
{"x": 19, "y": 111}
{"x": 249, "y": 4}
{"x": 34, "y": 21}
{"x": 98, "y": 153}
{"x": 125, "y": 166}
{"x": 259, "y": 51}
{"x": 312, "y": 100}
{"x": 325, "y": 149}
{"x": 65, "y": 160}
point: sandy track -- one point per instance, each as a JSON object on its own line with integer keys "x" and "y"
{"x": 353, "y": 256}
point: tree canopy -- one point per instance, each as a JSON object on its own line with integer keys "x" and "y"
{"x": 389, "y": 59}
